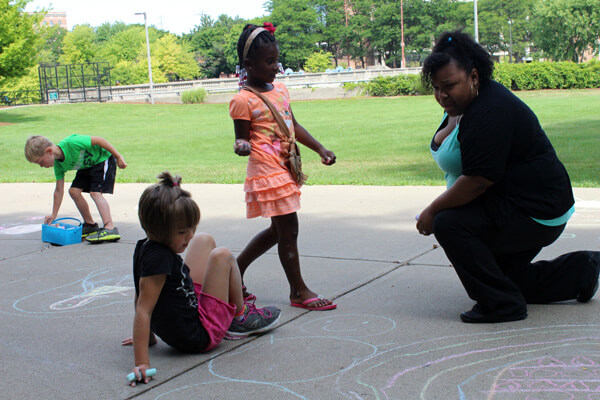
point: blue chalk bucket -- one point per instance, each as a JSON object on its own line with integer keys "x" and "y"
{"x": 70, "y": 234}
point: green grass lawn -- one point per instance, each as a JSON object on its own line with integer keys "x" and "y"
{"x": 378, "y": 141}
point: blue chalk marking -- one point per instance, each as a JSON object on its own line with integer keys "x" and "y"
{"x": 417, "y": 217}
{"x": 149, "y": 372}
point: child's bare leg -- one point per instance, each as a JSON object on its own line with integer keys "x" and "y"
{"x": 216, "y": 269}
{"x": 196, "y": 256}
{"x": 103, "y": 209}
{"x": 286, "y": 227}
{"x": 81, "y": 204}
{"x": 258, "y": 246}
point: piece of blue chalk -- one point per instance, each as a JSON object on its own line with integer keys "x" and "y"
{"x": 149, "y": 372}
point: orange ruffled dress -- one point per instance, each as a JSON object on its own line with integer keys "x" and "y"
{"x": 270, "y": 189}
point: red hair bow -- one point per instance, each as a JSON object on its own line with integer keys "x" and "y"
{"x": 269, "y": 26}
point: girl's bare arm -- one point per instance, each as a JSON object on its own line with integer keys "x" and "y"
{"x": 150, "y": 288}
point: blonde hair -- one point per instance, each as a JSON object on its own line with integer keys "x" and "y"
{"x": 165, "y": 207}
{"x": 35, "y": 147}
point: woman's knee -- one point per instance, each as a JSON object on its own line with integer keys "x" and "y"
{"x": 445, "y": 223}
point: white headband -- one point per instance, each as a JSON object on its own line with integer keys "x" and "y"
{"x": 250, "y": 39}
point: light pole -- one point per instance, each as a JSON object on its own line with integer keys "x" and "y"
{"x": 403, "y": 63}
{"x": 149, "y": 62}
{"x": 347, "y": 42}
{"x": 510, "y": 40}
{"x": 475, "y": 21}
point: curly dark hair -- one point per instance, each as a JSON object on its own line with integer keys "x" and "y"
{"x": 263, "y": 39}
{"x": 461, "y": 48}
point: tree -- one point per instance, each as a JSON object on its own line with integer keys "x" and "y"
{"x": 125, "y": 45}
{"x": 50, "y": 48}
{"x": 174, "y": 60}
{"x": 331, "y": 19}
{"x": 495, "y": 30}
{"x": 318, "y": 62}
{"x": 106, "y": 31}
{"x": 565, "y": 29}
{"x": 79, "y": 46}
{"x": 297, "y": 30}
{"x": 19, "y": 38}
{"x": 214, "y": 45}
{"x": 358, "y": 35}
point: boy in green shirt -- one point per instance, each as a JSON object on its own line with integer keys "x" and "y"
{"x": 95, "y": 160}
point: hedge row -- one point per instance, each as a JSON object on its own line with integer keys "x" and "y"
{"x": 533, "y": 76}
{"x": 548, "y": 75}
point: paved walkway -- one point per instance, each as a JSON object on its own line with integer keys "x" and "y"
{"x": 395, "y": 335}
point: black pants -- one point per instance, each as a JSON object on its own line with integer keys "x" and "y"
{"x": 494, "y": 264}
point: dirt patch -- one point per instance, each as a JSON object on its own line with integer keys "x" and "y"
{"x": 6, "y": 123}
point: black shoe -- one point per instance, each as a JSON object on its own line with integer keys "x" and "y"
{"x": 475, "y": 316}
{"x": 88, "y": 229}
{"x": 587, "y": 293}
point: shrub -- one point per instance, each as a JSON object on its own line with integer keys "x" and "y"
{"x": 398, "y": 85}
{"x": 318, "y": 62}
{"x": 194, "y": 96}
{"x": 548, "y": 75}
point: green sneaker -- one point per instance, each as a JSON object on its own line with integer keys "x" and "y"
{"x": 104, "y": 235}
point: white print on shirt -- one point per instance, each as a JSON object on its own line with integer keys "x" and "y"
{"x": 188, "y": 293}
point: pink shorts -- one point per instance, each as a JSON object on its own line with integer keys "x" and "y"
{"x": 215, "y": 316}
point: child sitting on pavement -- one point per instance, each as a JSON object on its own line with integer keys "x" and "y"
{"x": 95, "y": 160}
{"x": 191, "y": 304}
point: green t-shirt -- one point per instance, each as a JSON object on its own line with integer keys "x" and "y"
{"x": 79, "y": 154}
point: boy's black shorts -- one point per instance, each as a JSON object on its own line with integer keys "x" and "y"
{"x": 99, "y": 178}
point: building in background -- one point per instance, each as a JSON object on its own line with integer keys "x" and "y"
{"x": 53, "y": 18}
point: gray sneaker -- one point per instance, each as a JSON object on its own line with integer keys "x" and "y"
{"x": 257, "y": 320}
{"x": 104, "y": 235}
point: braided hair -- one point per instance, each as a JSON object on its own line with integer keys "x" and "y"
{"x": 263, "y": 39}
{"x": 165, "y": 207}
{"x": 463, "y": 50}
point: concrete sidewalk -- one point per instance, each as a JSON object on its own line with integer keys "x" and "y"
{"x": 395, "y": 334}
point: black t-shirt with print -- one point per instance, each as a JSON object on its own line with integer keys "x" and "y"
{"x": 501, "y": 139}
{"x": 175, "y": 318}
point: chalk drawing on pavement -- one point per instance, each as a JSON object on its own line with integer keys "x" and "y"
{"x": 540, "y": 363}
{"x": 86, "y": 292}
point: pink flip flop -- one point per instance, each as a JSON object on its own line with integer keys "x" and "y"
{"x": 305, "y": 305}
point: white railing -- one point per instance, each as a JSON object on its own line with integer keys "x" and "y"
{"x": 326, "y": 79}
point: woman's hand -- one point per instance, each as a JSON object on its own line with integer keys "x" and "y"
{"x": 425, "y": 222}
{"x": 327, "y": 156}
{"x": 242, "y": 147}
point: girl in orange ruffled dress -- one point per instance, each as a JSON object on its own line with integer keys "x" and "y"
{"x": 271, "y": 191}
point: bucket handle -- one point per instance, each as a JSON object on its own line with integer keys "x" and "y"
{"x": 63, "y": 218}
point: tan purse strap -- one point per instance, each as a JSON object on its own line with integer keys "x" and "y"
{"x": 276, "y": 114}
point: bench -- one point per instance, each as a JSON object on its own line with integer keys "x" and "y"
{"x": 6, "y": 100}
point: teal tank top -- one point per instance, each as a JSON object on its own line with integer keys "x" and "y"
{"x": 447, "y": 155}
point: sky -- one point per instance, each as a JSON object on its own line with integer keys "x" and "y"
{"x": 175, "y": 16}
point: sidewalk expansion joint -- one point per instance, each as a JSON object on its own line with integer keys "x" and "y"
{"x": 397, "y": 265}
